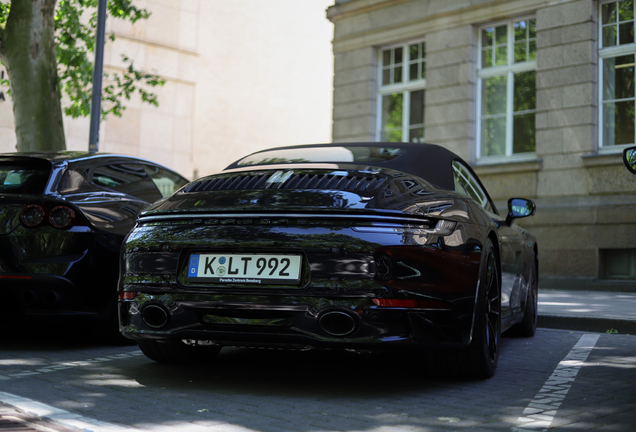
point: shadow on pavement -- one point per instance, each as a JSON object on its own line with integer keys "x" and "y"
{"x": 294, "y": 373}
{"x": 47, "y": 336}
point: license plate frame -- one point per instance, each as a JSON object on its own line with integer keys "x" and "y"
{"x": 257, "y": 268}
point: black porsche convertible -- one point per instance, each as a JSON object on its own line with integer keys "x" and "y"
{"x": 362, "y": 246}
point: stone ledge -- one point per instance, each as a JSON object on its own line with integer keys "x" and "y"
{"x": 511, "y": 167}
{"x": 599, "y": 160}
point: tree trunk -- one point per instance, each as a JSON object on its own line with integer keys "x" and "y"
{"x": 27, "y": 49}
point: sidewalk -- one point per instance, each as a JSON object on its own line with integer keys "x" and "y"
{"x": 588, "y": 311}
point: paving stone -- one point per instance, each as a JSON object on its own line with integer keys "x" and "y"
{"x": 262, "y": 391}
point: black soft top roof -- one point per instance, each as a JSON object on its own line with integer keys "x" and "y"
{"x": 431, "y": 162}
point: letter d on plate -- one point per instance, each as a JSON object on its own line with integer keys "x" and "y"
{"x": 193, "y": 270}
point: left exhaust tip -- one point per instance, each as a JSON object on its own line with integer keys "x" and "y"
{"x": 154, "y": 316}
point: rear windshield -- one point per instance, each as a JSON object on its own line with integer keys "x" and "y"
{"x": 357, "y": 155}
{"x": 29, "y": 177}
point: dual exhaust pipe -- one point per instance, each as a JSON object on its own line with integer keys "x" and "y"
{"x": 33, "y": 298}
{"x": 334, "y": 322}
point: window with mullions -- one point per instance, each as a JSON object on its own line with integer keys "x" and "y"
{"x": 401, "y": 95}
{"x": 617, "y": 55}
{"x": 507, "y": 88}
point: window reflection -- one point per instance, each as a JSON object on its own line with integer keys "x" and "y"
{"x": 617, "y": 23}
{"x": 392, "y": 106}
{"x": 618, "y": 100}
{"x": 401, "y": 93}
{"x": 507, "y": 71}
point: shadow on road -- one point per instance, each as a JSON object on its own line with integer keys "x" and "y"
{"x": 55, "y": 336}
{"x": 329, "y": 373}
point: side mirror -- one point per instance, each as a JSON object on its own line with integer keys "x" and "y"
{"x": 519, "y": 208}
{"x": 629, "y": 159}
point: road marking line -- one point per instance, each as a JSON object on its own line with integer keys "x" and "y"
{"x": 541, "y": 411}
{"x": 68, "y": 365}
{"x": 40, "y": 410}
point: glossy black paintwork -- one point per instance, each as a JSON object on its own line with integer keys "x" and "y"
{"x": 629, "y": 159}
{"x": 54, "y": 273}
{"x": 345, "y": 236}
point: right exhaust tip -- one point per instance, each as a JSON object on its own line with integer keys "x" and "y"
{"x": 337, "y": 323}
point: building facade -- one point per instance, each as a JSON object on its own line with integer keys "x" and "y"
{"x": 240, "y": 76}
{"x": 537, "y": 95}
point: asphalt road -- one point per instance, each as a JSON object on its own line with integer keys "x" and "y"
{"x": 563, "y": 380}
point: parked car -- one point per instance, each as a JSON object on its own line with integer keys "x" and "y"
{"x": 63, "y": 218}
{"x": 363, "y": 246}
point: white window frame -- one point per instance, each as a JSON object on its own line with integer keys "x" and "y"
{"x": 405, "y": 87}
{"x": 605, "y": 53}
{"x": 510, "y": 70}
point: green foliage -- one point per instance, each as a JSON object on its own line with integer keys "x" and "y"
{"x": 4, "y": 13}
{"x": 76, "y": 39}
{"x": 75, "y": 24}
{"x": 612, "y": 331}
{"x": 393, "y": 112}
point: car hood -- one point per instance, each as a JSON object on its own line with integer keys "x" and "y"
{"x": 303, "y": 189}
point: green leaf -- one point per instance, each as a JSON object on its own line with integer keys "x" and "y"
{"x": 76, "y": 41}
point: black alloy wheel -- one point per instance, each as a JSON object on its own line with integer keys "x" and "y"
{"x": 481, "y": 359}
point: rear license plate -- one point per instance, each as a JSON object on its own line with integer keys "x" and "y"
{"x": 278, "y": 269}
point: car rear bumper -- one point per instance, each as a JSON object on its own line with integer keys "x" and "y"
{"x": 353, "y": 323}
{"x": 47, "y": 273}
{"x": 46, "y": 298}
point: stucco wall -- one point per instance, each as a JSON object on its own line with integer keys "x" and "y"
{"x": 241, "y": 75}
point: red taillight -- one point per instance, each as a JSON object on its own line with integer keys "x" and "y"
{"x": 32, "y": 215}
{"x": 61, "y": 216}
{"x": 127, "y": 295}
{"x": 14, "y": 277}
{"x": 400, "y": 303}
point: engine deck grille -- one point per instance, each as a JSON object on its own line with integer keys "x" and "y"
{"x": 294, "y": 181}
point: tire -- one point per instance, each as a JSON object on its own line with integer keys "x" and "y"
{"x": 480, "y": 359}
{"x": 177, "y": 352}
{"x": 528, "y": 326}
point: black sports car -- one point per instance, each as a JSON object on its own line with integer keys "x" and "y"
{"x": 360, "y": 246}
{"x": 63, "y": 218}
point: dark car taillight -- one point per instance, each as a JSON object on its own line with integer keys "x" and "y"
{"x": 61, "y": 216}
{"x": 32, "y": 215}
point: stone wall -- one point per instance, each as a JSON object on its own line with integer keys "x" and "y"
{"x": 586, "y": 199}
